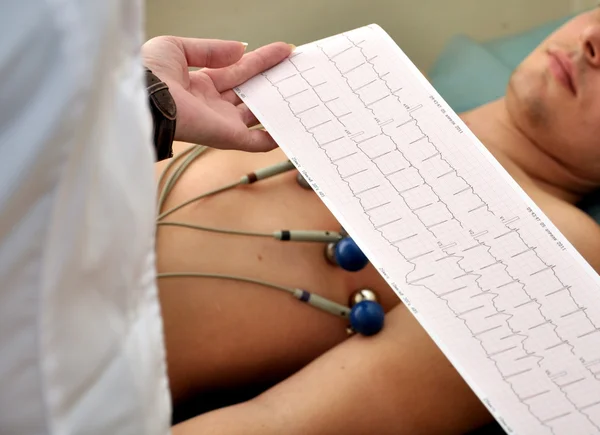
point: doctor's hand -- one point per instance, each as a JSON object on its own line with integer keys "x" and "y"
{"x": 208, "y": 111}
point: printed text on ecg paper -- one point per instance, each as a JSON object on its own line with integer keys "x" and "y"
{"x": 489, "y": 277}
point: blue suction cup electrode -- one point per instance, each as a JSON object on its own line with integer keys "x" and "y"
{"x": 346, "y": 254}
{"x": 367, "y": 317}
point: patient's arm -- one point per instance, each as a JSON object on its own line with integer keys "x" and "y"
{"x": 394, "y": 383}
{"x": 397, "y": 382}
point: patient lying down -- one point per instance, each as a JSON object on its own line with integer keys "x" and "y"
{"x": 222, "y": 333}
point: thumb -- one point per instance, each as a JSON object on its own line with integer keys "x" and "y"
{"x": 258, "y": 141}
{"x": 211, "y": 53}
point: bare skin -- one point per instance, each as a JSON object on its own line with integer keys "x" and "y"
{"x": 223, "y": 333}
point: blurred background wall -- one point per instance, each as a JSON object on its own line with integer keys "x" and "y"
{"x": 420, "y": 27}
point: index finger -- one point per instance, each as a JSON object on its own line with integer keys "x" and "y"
{"x": 250, "y": 65}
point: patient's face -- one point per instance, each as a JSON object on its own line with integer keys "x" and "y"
{"x": 554, "y": 95}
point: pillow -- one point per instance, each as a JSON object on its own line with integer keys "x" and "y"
{"x": 511, "y": 50}
{"x": 467, "y": 75}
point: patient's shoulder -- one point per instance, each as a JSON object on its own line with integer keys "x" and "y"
{"x": 580, "y": 229}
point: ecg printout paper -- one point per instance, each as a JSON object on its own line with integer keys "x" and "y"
{"x": 507, "y": 299}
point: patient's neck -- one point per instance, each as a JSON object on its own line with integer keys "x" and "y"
{"x": 493, "y": 126}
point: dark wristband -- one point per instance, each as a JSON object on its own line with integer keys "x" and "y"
{"x": 164, "y": 115}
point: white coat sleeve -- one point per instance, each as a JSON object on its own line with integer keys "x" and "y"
{"x": 81, "y": 345}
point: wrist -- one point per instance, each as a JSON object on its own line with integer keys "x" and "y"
{"x": 164, "y": 115}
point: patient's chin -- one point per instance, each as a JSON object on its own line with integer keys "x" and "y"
{"x": 527, "y": 102}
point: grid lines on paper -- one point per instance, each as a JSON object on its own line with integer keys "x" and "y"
{"x": 371, "y": 126}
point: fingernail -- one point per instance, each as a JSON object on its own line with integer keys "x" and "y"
{"x": 293, "y": 47}
{"x": 245, "y": 44}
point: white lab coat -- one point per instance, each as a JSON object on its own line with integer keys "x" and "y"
{"x": 81, "y": 345}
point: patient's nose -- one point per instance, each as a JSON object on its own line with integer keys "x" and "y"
{"x": 591, "y": 43}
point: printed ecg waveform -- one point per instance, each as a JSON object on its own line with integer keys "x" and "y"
{"x": 357, "y": 109}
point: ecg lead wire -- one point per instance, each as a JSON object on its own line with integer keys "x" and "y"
{"x": 312, "y": 299}
{"x": 250, "y": 178}
{"x": 283, "y": 235}
{"x": 196, "y": 151}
